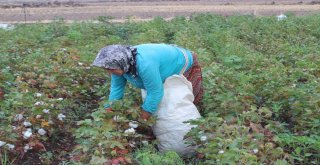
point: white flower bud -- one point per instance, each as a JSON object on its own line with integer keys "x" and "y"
{"x": 255, "y": 150}
{"x": 59, "y": 99}
{"x": 221, "y": 152}
{"x": 38, "y": 116}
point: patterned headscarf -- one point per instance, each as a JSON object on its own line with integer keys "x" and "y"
{"x": 117, "y": 57}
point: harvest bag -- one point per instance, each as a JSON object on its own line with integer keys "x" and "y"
{"x": 175, "y": 108}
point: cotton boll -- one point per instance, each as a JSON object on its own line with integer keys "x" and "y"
{"x": 2, "y": 143}
{"x": 115, "y": 118}
{"x": 26, "y": 148}
{"x": 133, "y": 124}
{"x": 39, "y": 103}
{"x": 38, "y": 94}
{"x": 130, "y": 130}
{"x": 144, "y": 142}
{"x": 27, "y": 124}
{"x": 10, "y": 146}
{"x": 61, "y": 117}
{"x": 281, "y": 17}
{"x": 46, "y": 110}
{"x": 18, "y": 117}
{"x": 27, "y": 134}
{"x": 42, "y": 131}
{"x": 132, "y": 144}
{"x": 203, "y": 138}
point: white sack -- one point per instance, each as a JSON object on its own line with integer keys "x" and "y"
{"x": 175, "y": 108}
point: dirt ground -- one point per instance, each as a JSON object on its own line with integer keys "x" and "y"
{"x": 19, "y": 11}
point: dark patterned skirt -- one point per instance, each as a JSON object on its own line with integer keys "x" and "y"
{"x": 194, "y": 75}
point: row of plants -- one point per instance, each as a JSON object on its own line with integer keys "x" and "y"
{"x": 261, "y": 103}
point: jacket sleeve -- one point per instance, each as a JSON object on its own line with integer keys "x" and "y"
{"x": 118, "y": 84}
{"x": 152, "y": 81}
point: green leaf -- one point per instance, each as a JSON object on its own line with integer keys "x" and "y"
{"x": 86, "y": 122}
{"x": 95, "y": 160}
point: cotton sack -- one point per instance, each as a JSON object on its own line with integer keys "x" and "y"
{"x": 175, "y": 108}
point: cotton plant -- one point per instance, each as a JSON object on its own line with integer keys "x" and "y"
{"x": 121, "y": 128}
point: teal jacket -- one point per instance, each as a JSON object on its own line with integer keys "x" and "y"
{"x": 154, "y": 63}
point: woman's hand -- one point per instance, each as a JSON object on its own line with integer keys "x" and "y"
{"x": 108, "y": 110}
{"x": 145, "y": 115}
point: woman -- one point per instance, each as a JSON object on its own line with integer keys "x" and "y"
{"x": 147, "y": 66}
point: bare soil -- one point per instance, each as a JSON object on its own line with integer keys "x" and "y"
{"x": 15, "y": 11}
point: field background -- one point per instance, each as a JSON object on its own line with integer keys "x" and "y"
{"x": 15, "y": 11}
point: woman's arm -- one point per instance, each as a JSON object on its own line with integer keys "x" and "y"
{"x": 118, "y": 84}
{"x": 152, "y": 81}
